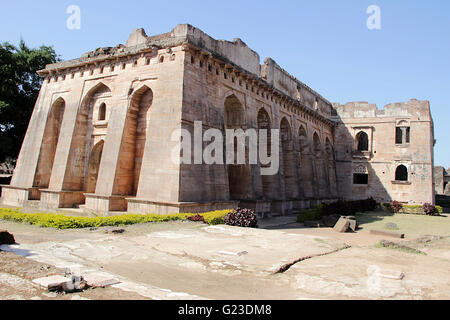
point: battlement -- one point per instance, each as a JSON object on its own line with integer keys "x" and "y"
{"x": 413, "y": 108}
{"x": 235, "y": 52}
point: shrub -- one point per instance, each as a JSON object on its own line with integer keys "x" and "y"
{"x": 242, "y": 218}
{"x": 396, "y": 206}
{"x": 386, "y": 207}
{"x": 429, "y": 209}
{"x": 197, "y": 218}
{"x": 51, "y": 220}
{"x": 309, "y": 215}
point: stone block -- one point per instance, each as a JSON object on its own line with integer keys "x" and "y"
{"x": 353, "y": 225}
{"x": 96, "y": 280}
{"x": 390, "y": 274}
{"x": 330, "y": 221}
{"x": 388, "y": 234}
{"x": 342, "y": 225}
{"x": 52, "y": 283}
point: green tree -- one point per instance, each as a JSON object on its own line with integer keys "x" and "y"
{"x": 19, "y": 89}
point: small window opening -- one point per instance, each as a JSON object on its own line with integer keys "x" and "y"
{"x": 361, "y": 178}
{"x": 363, "y": 141}
{"x": 102, "y": 112}
{"x": 401, "y": 174}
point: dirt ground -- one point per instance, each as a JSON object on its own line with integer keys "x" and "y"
{"x": 17, "y": 273}
{"x": 185, "y": 260}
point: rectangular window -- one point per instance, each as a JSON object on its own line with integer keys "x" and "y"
{"x": 361, "y": 178}
{"x": 399, "y": 136}
{"x": 402, "y": 135}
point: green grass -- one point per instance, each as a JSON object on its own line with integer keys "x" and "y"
{"x": 409, "y": 224}
{"x": 399, "y": 248}
{"x": 57, "y": 221}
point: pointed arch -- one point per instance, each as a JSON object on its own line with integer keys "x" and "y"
{"x": 239, "y": 176}
{"x": 102, "y": 112}
{"x": 49, "y": 144}
{"x": 134, "y": 141}
{"x": 95, "y": 157}
{"x": 83, "y": 139}
{"x": 289, "y": 167}
{"x": 285, "y": 130}
{"x": 331, "y": 166}
{"x": 234, "y": 112}
{"x": 306, "y": 164}
{"x": 362, "y": 141}
{"x": 302, "y": 138}
{"x": 321, "y": 172}
{"x": 264, "y": 123}
{"x": 317, "y": 145}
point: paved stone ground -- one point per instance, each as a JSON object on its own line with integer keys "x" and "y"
{"x": 185, "y": 260}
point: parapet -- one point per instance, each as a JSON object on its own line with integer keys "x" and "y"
{"x": 413, "y": 108}
{"x": 235, "y": 52}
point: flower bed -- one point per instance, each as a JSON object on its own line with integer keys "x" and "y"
{"x": 58, "y": 221}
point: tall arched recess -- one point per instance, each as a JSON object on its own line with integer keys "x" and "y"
{"x": 238, "y": 174}
{"x": 95, "y": 158}
{"x": 320, "y": 168}
{"x": 49, "y": 144}
{"x": 132, "y": 147}
{"x": 329, "y": 150}
{"x": 289, "y": 170}
{"x": 269, "y": 186}
{"x": 306, "y": 163}
{"x": 83, "y": 140}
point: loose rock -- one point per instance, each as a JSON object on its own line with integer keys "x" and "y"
{"x": 342, "y": 225}
{"x": 6, "y": 238}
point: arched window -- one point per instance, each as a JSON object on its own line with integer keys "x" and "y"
{"x": 401, "y": 174}
{"x": 363, "y": 141}
{"x": 403, "y": 133}
{"x": 102, "y": 112}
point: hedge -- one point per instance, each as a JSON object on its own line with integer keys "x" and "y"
{"x": 409, "y": 209}
{"x": 57, "y": 221}
{"x": 309, "y": 215}
{"x": 337, "y": 208}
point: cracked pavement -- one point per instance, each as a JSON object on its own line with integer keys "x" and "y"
{"x": 185, "y": 260}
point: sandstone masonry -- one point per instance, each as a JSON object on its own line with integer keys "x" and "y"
{"x": 100, "y": 134}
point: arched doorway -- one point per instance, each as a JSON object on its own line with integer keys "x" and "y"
{"x": 133, "y": 143}
{"x": 238, "y": 174}
{"x": 49, "y": 144}
{"x": 94, "y": 167}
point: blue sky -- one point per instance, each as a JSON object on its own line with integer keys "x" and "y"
{"x": 326, "y": 44}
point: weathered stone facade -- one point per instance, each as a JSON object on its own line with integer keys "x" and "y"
{"x": 442, "y": 181}
{"x": 100, "y": 134}
{"x": 391, "y": 148}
